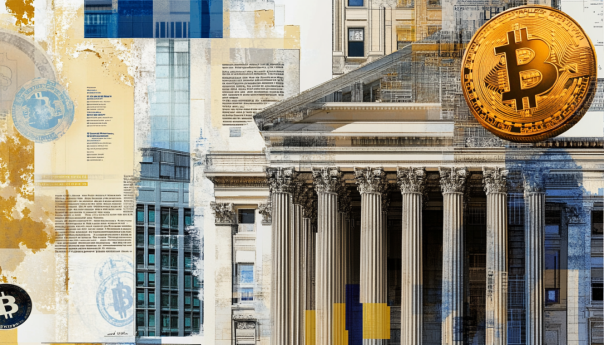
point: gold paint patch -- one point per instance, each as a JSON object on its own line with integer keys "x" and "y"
{"x": 18, "y": 227}
{"x": 22, "y": 10}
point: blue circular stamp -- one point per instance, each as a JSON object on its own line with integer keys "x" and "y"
{"x": 115, "y": 298}
{"x": 42, "y": 110}
{"x": 15, "y": 306}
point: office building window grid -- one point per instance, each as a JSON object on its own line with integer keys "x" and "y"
{"x": 167, "y": 293}
{"x": 597, "y": 279}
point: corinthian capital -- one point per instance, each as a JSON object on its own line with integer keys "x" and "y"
{"x": 494, "y": 180}
{"x": 266, "y": 210}
{"x": 453, "y": 180}
{"x": 281, "y": 180}
{"x": 299, "y": 192}
{"x": 223, "y": 212}
{"x": 327, "y": 180}
{"x": 344, "y": 200}
{"x": 370, "y": 180}
{"x": 309, "y": 204}
{"x": 533, "y": 181}
{"x": 411, "y": 180}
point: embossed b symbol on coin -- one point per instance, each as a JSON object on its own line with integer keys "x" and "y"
{"x": 529, "y": 74}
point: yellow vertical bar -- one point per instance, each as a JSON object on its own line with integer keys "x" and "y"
{"x": 9, "y": 337}
{"x": 376, "y": 321}
{"x": 340, "y": 334}
{"x": 310, "y": 327}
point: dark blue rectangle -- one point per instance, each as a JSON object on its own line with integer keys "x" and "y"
{"x": 134, "y": 19}
{"x": 355, "y": 2}
{"x": 354, "y": 314}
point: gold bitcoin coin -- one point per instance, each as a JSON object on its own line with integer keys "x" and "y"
{"x": 529, "y": 73}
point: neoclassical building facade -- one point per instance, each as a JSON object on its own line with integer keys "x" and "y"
{"x": 369, "y": 218}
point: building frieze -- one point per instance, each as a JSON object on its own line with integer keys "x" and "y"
{"x": 239, "y": 181}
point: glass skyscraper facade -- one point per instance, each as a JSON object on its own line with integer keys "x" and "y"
{"x": 167, "y": 245}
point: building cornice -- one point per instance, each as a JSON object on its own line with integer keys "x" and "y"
{"x": 239, "y": 181}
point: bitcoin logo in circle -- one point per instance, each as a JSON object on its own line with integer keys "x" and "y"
{"x": 15, "y": 306}
{"x": 518, "y": 64}
{"x": 7, "y": 301}
{"x": 529, "y": 73}
{"x": 122, "y": 299}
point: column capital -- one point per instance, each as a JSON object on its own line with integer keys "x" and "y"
{"x": 533, "y": 181}
{"x": 327, "y": 180}
{"x": 494, "y": 180}
{"x": 453, "y": 180}
{"x": 577, "y": 214}
{"x": 370, "y": 180}
{"x": 299, "y": 189}
{"x": 344, "y": 200}
{"x": 386, "y": 198}
{"x": 308, "y": 200}
{"x": 266, "y": 211}
{"x": 411, "y": 180}
{"x": 223, "y": 212}
{"x": 309, "y": 208}
{"x": 281, "y": 180}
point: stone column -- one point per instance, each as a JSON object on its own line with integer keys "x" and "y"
{"x": 297, "y": 263}
{"x": 340, "y": 333}
{"x": 453, "y": 185}
{"x": 411, "y": 182}
{"x": 218, "y": 247}
{"x": 578, "y": 217}
{"x": 495, "y": 186}
{"x": 309, "y": 218}
{"x": 344, "y": 205}
{"x": 281, "y": 182}
{"x": 385, "y": 206}
{"x": 534, "y": 195}
{"x": 373, "y": 290}
{"x": 327, "y": 182}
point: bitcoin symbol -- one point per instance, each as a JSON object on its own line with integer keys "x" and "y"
{"x": 122, "y": 298}
{"x": 10, "y": 302}
{"x": 529, "y": 74}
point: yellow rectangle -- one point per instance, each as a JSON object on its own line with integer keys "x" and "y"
{"x": 62, "y": 184}
{"x": 376, "y": 321}
{"x": 310, "y": 327}
{"x": 63, "y": 177}
{"x": 340, "y": 334}
{"x": 8, "y": 336}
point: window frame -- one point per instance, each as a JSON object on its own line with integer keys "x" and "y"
{"x": 245, "y": 285}
{"x": 349, "y": 41}
{"x": 361, "y": 5}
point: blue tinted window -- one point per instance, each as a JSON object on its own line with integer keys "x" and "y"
{"x": 355, "y": 2}
{"x": 247, "y": 294}
{"x": 246, "y": 274}
{"x": 140, "y": 215}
